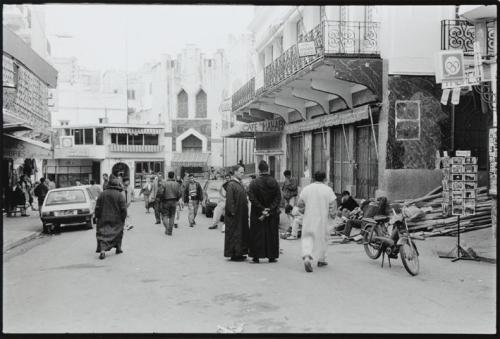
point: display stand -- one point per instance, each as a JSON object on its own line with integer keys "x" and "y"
{"x": 460, "y": 252}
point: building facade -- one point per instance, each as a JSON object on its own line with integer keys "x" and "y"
{"x": 85, "y": 152}
{"x": 356, "y": 88}
{"x": 26, "y": 139}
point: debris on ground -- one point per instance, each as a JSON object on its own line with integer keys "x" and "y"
{"x": 433, "y": 223}
{"x": 230, "y": 329}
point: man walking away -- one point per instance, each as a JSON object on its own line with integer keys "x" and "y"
{"x": 111, "y": 212}
{"x": 41, "y": 192}
{"x": 265, "y": 195}
{"x": 290, "y": 192}
{"x": 146, "y": 192}
{"x": 237, "y": 234}
{"x": 168, "y": 197}
{"x": 193, "y": 194}
{"x": 152, "y": 198}
{"x": 318, "y": 202}
{"x": 219, "y": 209}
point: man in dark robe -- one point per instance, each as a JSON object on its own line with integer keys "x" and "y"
{"x": 265, "y": 195}
{"x": 237, "y": 233}
{"x": 111, "y": 212}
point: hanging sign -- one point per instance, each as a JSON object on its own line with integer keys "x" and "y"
{"x": 455, "y": 96}
{"x": 445, "y": 96}
{"x": 306, "y": 48}
{"x": 450, "y": 65}
{"x": 493, "y": 151}
{"x": 470, "y": 79}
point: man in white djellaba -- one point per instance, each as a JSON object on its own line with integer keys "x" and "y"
{"x": 318, "y": 203}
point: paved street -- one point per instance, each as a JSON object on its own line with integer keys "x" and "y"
{"x": 183, "y": 284}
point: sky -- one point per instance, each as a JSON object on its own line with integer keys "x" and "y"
{"x": 100, "y": 35}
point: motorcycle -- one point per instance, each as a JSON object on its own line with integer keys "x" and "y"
{"x": 390, "y": 236}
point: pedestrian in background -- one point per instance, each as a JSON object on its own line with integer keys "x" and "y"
{"x": 265, "y": 195}
{"x": 128, "y": 193}
{"x": 290, "y": 191}
{"x": 193, "y": 194}
{"x": 111, "y": 212}
{"x": 146, "y": 193}
{"x": 40, "y": 192}
{"x": 105, "y": 181}
{"x": 221, "y": 204}
{"x": 318, "y": 203}
{"x": 169, "y": 193}
{"x": 152, "y": 198}
{"x": 180, "y": 204}
{"x": 95, "y": 189}
{"x": 237, "y": 235}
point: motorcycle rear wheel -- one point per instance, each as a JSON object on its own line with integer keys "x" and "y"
{"x": 409, "y": 257}
{"x": 373, "y": 250}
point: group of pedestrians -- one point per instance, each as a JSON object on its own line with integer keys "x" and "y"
{"x": 22, "y": 194}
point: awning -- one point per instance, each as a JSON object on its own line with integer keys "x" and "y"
{"x": 19, "y": 147}
{"x": 333, "y": 119}
{"x": 190, "y": 159}
{"x": 134, "y": 131}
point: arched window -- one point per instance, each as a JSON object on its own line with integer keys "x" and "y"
{"x": 201, "y": 104}
{"x": 182, "y": 104}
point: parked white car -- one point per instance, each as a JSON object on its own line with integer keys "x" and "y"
{"x": 68, "y": 206}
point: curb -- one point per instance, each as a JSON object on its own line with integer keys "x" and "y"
{"x": 21, "y": 241}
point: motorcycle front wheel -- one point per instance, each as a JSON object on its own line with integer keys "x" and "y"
{"x": 409, "y": 257}
{"x": 372, "y": 248}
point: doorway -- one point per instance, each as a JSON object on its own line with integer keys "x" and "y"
{"x": 366, "y": 161}
{"x": 121, "y": 169}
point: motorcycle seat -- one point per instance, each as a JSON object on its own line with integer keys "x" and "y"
{"x": 370, "y": 220}
{"x": 381, "y": 218}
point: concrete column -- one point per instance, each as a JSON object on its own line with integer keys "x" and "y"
{"x": 383, "y": 130}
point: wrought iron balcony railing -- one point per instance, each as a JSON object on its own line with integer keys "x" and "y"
{"x": 244, "y": 95}
{"x": 331, "y": 38}
{"x": 136, "y": 148}
{"x": 460, "y": 34}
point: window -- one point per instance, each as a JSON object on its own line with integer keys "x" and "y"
{"x": 89, "y": 136}
{"x": 150, "y": 139}
{"x": 145, "y": 168}
{"x": 135, "y": 139}
{"x": 150, "y": 88}
{"x": 172, "y": 63}
{"x": 64, "y": 122}
{"x": 407, "y": 120}
{"x": 119, "y": 139}
{"x": 201, "y": 104}
{"x": 210, "y": 63}
{"x": 182, "y": 104}
{"x": 99, "y": 136}
{"x": 78, "y": 133}
{"x": 300, "y": 31}
{"x": 130, "y": 94}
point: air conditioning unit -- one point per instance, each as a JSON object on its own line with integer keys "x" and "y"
{"x": 67, "y": 141}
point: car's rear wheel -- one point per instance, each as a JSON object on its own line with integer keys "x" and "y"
{"x": 45, "y": 229}
{"x": 89, "y": 224}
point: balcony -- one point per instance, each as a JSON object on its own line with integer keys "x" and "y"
{"x": 460, "y": 34}
{"x": 136, "y": 148}
{"x": 331, "y": 39}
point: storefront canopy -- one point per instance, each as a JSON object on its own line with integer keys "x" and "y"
{"x": 190, "y": 159}
{"x": 18, "y": 147}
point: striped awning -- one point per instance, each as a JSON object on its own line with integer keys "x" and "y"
{"x": 134, "y": 131}
{"x": 190, "y": 159}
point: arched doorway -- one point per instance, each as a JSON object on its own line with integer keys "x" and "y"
{"x": 192, "y": 144}
{"x": 121, "y": 169}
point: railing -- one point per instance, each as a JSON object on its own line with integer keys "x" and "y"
{"x": 460, "y": 34}
{"x": 331, "y": 38}
{"x": 244, "y": 95}
{"x": 136, "y": 148}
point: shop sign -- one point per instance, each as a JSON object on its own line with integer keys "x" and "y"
{"x": 471, "y": 79}
{"x": 450, "y": 65}
{"x": 265, "y": 126}
{"x": 306, "y": 48}
{"x": 346, "y": 117}
{"x": 15, "y": 149}
{"x": 94, "y": 152}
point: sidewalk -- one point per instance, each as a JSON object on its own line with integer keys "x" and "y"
{"x": 18, "y": 230}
